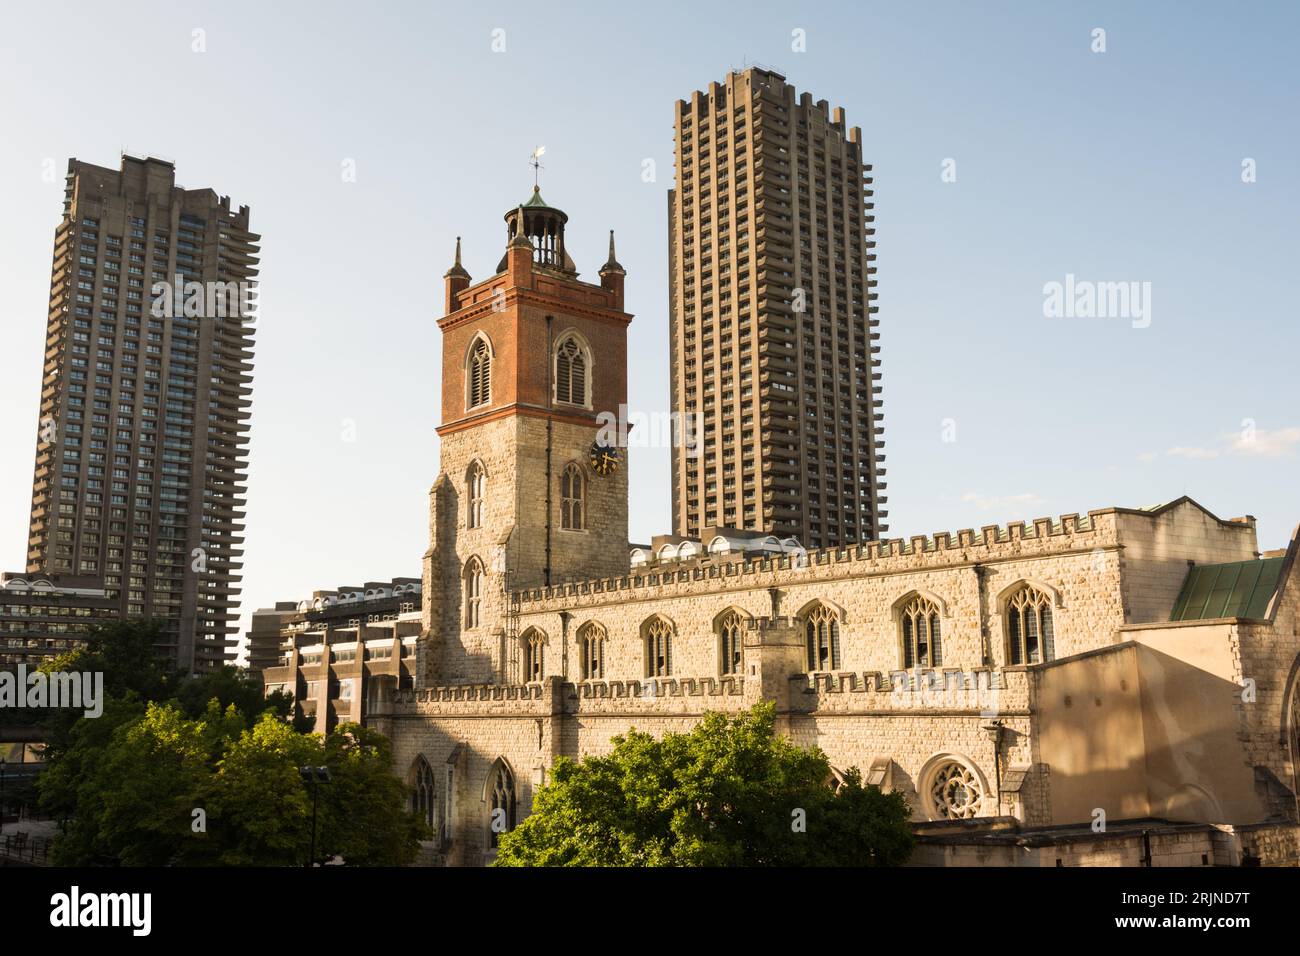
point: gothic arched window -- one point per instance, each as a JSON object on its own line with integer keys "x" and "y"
{"x": 591, "y": 644}
{"x": 919, "y": 620}
{"x": 473, "y": 592}
{"x": 822, "y": 634}
{"x": 534, "y": 647}
{"x": 658, "y": 648}
{"x": 501, "y": 818}
{"x": 573, "y": 498}
{"x": 1030, "y": 635}
{"x": 571, "y": 372}
{"x": 422, "y": 791}
{"x": 475, "y": 485}
{"x": 730, "y": 636}
{"x": 478, "y": 374}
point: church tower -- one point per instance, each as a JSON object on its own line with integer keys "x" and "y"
{"x": 527, "y": 495}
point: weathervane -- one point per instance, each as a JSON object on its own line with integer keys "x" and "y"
{"x": 536, "y": 157}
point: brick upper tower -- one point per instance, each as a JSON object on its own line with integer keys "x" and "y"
{"x": 530, "y": 356}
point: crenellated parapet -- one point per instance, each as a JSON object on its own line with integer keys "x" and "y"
{"x": 656, "y": 688}
{"x": 1019, "y": 539}
{"x": 988, "y": 691}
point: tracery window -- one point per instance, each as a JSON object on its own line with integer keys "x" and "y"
{"x": 573, "y": 504}
{"x": 730, "y": 638}
{"x": 658, "y": 648}
{"x": 953, "y": 791}
{"x": 476, "y": 483}
{"x": 570, "y": 372}
{"x": 423, "y": 801}
{"x": 822, "y": 634}
{"x": 919, "y": 621}
{"x": 478, "y": 374}
{"x": 501, "y": 818}
{"x": 473, "y": 592}
{"x": 591, "y": 643}
{"x": 1030, "y": 635}
{"x": 534, "y": 642}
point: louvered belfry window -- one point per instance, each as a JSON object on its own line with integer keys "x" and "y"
{"x": 480, "y": 374}
{"x": 570, "y": 373}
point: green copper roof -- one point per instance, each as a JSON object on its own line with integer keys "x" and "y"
{"x": 536, "y": 199}
{"x": 1241, "y": 589}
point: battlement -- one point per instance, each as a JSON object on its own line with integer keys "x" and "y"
{"x": 985, "y": 690}
{"x": 1019, "y": 538}
{"x": 463, "y": 693}
{"x": 653, "y": 688}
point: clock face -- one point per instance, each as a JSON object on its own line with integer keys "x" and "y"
{"x": 604, "y": 459}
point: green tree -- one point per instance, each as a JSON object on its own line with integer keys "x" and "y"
{"x": 731, "y": 792}
{"x": 228, "y": 685}
{"x": 136, "y": 783}
{"x": 261, "y": 810}
{"x": 366, "y": 823}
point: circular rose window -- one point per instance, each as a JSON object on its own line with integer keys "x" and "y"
{"x": 954, "y": 791}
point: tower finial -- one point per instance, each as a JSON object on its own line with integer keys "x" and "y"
{"x": 612, "y": 265}
{"x": 521, "y": 234}
{"x": 456, "y": 269}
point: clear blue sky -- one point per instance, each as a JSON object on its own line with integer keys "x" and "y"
{"x": 1123, "y": 165}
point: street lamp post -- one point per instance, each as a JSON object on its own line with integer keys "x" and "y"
{"x": 314, "y": 777}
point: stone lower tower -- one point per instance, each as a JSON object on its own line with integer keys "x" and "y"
{"x": 527, "y": 495}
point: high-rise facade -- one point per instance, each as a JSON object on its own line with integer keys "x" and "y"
{"x": 772, "y": 316}
{"x": 142, "y": 444}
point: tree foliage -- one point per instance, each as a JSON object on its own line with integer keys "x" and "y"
{"x": 196, "y": 771}
{"x": 731, "y": 792}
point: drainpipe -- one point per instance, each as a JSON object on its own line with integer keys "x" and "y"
{"x": 981, "y": 573}
{"x": 565, "y": 617}
{"x": 549, "y": 386}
